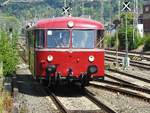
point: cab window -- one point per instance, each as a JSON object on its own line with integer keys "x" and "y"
{"x": 58, "y": 38}
{"x": 83, "y": 39}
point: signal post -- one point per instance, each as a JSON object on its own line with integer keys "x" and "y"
{"x": 126, "y": 60}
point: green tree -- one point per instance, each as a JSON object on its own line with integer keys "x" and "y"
{"x": 132, "y": 42}
{"x": 146, "y": 43}
{"x": 8, "y": 51}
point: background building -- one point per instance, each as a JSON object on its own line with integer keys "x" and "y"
{"x": 146, "y": 16}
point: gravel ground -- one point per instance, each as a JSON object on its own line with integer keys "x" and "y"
{"x": 135, "y": 71}
{"x": 30, "y": 98}
{"x": 121, "y": 103}
{"x": 78, "y": 103}
{"x": 139, "y": 72}
{"x": 129, "y": 79}
{"x": 73, "y": 98}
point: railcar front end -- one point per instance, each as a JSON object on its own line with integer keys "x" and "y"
{"x": 67, "y": 49}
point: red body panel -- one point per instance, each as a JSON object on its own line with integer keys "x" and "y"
{"x": 76, "y": 60}
{"x": 61, "y": 23}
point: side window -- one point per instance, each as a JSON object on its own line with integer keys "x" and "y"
{"x": 31, "y": 39}
{"x": 39, "y": 34}
{"x": 100, "y": 39}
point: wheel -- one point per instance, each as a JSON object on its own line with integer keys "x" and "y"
{"x": 49, "y": 81}
{"x": 84, "y": 83}
{"x": 85, "y": 80}
{"x": 37, "y": 79}
{"x": 44, "y": 82}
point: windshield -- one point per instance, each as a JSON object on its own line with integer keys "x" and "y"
{"x": 83, "y": 39}
{"x": 58, "y": 38}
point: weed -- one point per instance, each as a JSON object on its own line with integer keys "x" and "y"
{"x": 6, "y": 101}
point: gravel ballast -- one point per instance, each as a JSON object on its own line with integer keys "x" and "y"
{"x": 31, "y": 97}
{"x": 120, "y": 103}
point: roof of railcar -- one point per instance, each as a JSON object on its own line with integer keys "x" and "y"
{"x": 61, "y": 23}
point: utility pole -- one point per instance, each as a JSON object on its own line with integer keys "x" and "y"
{"x": 65, "y": 3}
{"x": 135, "y": 19}
{"x": 102, "y": 11}
{"x": 119, "y": 9}
{"x": 110, "y": 12}
{"x": 92, "y": 9}
{"x": 137, "y": 15}
{"x": 126, "y": 8}
{"x": 117, "y": 40}
{"x": 110, "y": 21}
{"x": 75, "y": 7}
{"x": 134, "y": 13}
{"x": 126, "y": 43}
{"x": 82, "y": 2}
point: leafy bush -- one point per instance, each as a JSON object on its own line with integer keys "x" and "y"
{"x": 8, "y": 51}
{"x": 132, "y": 43}
{"x": 146, "y": 43}
{"x": 107, "y": 41}
{"x": 137, "y": 42}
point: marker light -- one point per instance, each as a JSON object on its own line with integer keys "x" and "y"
{"x": 70, "y": 24}
{"x": 49, "y": 58}
{"x": 91, "y": 58}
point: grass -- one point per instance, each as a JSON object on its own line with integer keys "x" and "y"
{"x": 6, "y": 101}
{"x": 1, "y": 99}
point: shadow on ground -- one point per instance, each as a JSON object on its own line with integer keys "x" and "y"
{"x": 27, "y": 85}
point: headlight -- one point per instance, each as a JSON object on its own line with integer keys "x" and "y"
{"x": 49, "y": 58}
{"x": 70, "y": 24}
{"x": 91, "y": 58}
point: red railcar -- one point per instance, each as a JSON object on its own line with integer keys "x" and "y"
{"x": 69, "y": 48}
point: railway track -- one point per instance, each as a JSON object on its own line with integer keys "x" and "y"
{"x": 128, "y": 78}
{"x": 132, "y": 55}
{"x": 98, "y": 102}
{"x": 124, "y": 88}
{"x": 56, "y": 101}
{"x": 142, "y": 77}
{"x": 121, "y": 101}
{"x": 102, "y": 107}
{"x": 125, "y": 83}
{"x": 140, "y": 64}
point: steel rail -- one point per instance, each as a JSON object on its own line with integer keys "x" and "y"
{"x": 130, "y": 75}
{"x": 132, "y": 63}
{"x": 125, "y": 85}
{"x": 129, "y": 83}
{"x": 122, "y": 53}
{"x": 57, "y": 101}
{"x": 137, "y": 92}
{"x": 98, "y": 102}
{"x": 64, "y": 110}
